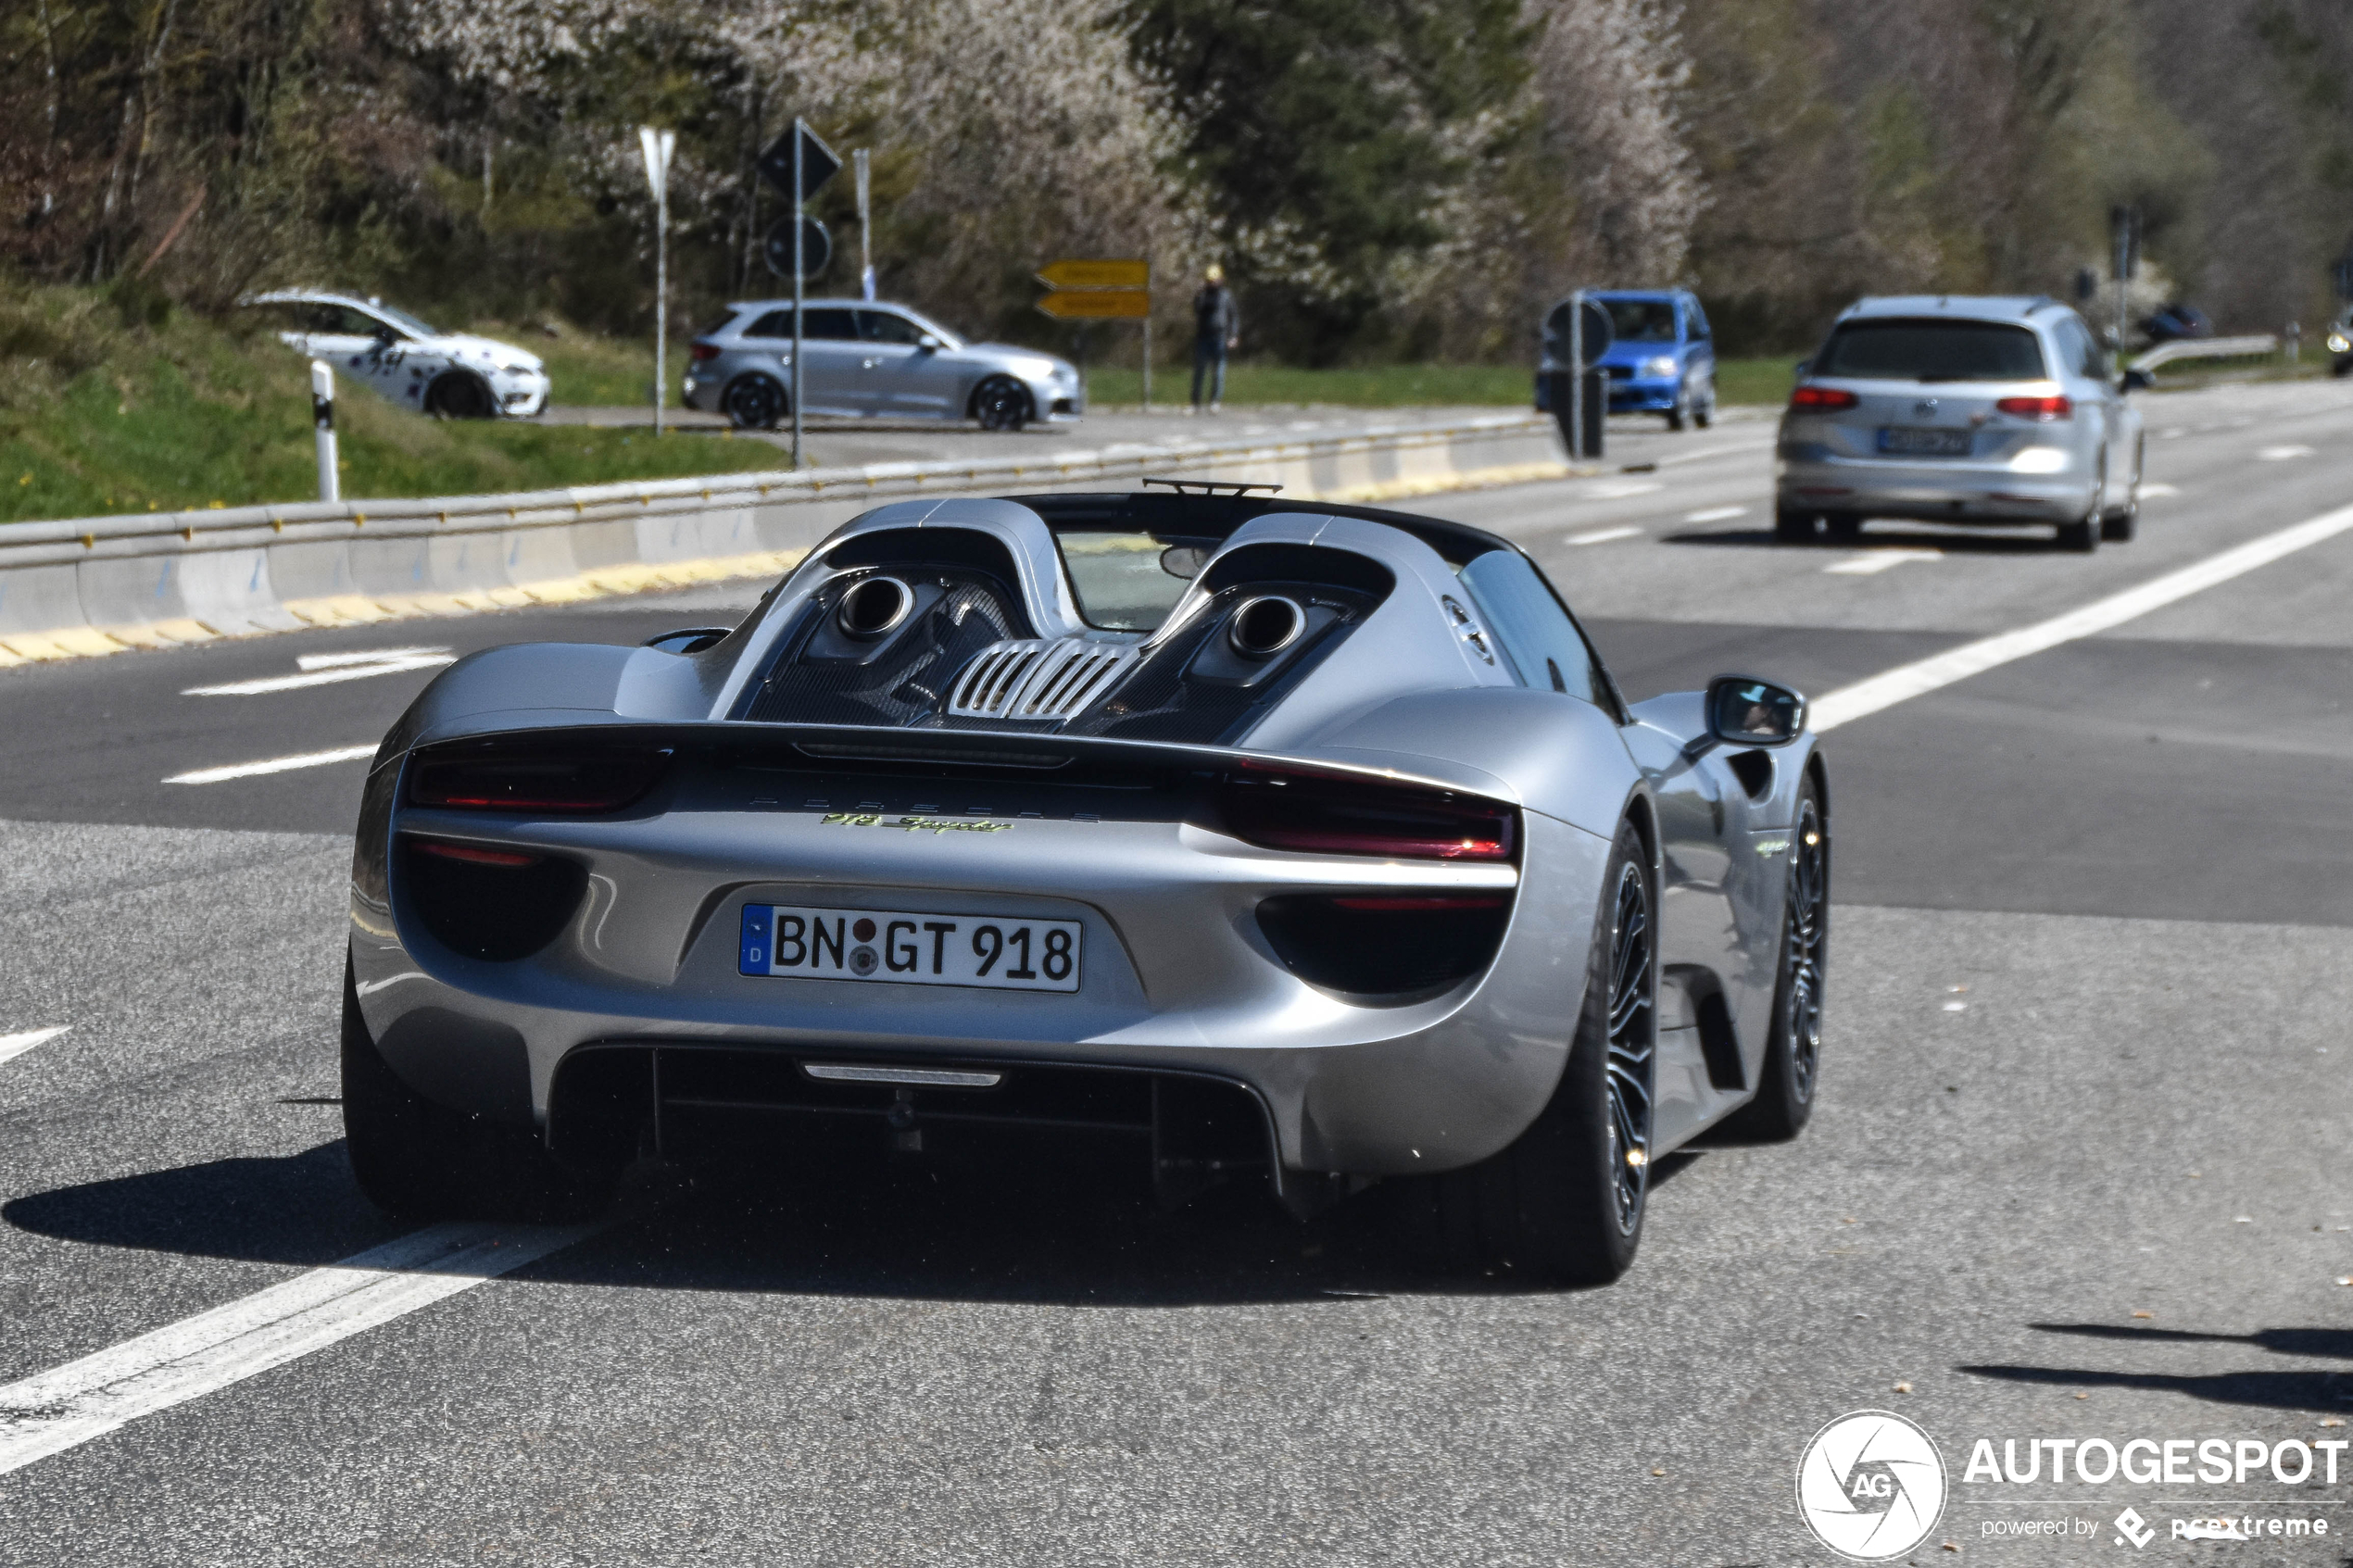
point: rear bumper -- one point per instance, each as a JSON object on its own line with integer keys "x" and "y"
{"x": 1929, "y": 492}
{"x": 1177, "y": 977}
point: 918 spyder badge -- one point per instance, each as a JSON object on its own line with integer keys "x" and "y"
{"x": 910, "y": 824}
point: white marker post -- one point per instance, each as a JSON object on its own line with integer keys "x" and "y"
{"x": 657, "y": 146}
{"x": 322, "y": 422}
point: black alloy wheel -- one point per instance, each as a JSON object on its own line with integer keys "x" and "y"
{"x": 1002, "y": 403}
{"x": 1564, "y": 1202}
{"x": 1793, "y": 1050}
{"x": 1633, "y": 1045}
{"x": 754, "y": 402}
{"x": 454, "y": 394}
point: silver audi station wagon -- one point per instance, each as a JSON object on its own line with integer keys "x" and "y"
{"x": 1946, "y": 409}
{"x": 870, "y": 360}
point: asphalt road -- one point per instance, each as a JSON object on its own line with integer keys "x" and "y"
{"x": 2079, "y": 1169}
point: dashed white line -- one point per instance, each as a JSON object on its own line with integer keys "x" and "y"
{"x": 1716, "y": 514}
{"x": 1602, "y": 535}
{"x": 327, "y": 669}
{"x": 272, "y": 765}
{"x": 2158, "y": 488}
{"x": 1906, "y": 681}
{"x": 65, "y": 1408}
{"x": 15, "y": 1045}
{"x": 2281, "y": 454}
{"x": 1622, "y": 489}
{"x": 1879, "y": 562}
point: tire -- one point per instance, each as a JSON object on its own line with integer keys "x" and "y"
{"x": 1786, "y": 1087}
{"x": 1563, "y": 1203}
{"x": 1679, "y": 415}
{"x": 420, "y": 1160}
{"x": 1794, "y": 528}
{"x": 2118, "y": 527}
{"x": 2081, "y": 537}
{"x": 1704, "y": 410}
{"x": 1843, "y": 528}
{"x": 1002, "y": 403}
{"x": 456, "y": 396}
{"x": 755, "y": 402}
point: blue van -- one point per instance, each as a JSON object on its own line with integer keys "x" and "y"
{"x": 1661, "y": 358}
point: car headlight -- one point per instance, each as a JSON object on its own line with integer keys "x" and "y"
{"x": 1658, "y": 368}
{"x": 2339, "y": 343}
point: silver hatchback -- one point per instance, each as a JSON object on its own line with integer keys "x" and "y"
{"x": 1947, "y": 408}
{"x": 864, "y": 359}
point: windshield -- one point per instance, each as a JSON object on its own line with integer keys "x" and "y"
{"x": 1127, "y": 580}
{"x": 1897, "y": 349}
{"x": 1642, "y": 320}
{"x": 406, "y": 322}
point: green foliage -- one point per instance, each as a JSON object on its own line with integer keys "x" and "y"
{"x": 1328, "y": 134}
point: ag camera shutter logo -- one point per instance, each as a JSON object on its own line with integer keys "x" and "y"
{"x": 1871, "y": 1486}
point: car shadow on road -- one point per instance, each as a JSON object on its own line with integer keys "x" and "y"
{"x": 2304, "y": 1388}
{"x": 1064, "y": 1229}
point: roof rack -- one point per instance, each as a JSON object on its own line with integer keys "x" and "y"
{"x": 1216, "y": 486}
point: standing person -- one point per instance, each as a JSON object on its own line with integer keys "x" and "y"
{"x": 1217, "y": 327}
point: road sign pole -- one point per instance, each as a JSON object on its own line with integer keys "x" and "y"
{"x": 1148, "y": 364}
{"x": 662, "y": 299}
{"x": 1577, "y": 375}
{"x": 799, "y": 271}
{"x": 866, "y": 224}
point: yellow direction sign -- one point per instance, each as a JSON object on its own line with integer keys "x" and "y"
{"x": 1097, "y": 304}
{"x": 1072, "y": 273}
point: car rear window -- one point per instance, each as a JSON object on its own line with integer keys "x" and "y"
{"x": 1898, "y": 349}
{"x": 1127, "y": 580}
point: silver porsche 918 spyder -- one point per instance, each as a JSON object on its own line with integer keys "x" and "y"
{"x": 1309, "y": 844}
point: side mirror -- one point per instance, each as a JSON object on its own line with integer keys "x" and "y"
{"x": 692, "y": 639}
{"x": 1743, "y": 710}
{"x": 2135, "y": 380}
{"x": 929, "y": 344}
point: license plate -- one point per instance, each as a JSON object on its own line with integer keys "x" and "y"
{"x": 910, "y": 947}
{"x": 1912, "y": 441}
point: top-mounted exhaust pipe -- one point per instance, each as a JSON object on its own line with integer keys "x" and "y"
{"x": 1265, "y": 626}
{"x": 873, "y": 608}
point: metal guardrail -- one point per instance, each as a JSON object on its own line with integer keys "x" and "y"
{"x": 2254, "y": 346}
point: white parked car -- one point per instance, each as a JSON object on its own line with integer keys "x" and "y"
{"x": 408, "y": 361}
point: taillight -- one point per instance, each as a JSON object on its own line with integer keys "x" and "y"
{"x": 1822, "y": 399}
{"x": 2038, "y": 408}
{"x": 515, "y": 780}
{"x": 474, "y": 854}
{"x": 1330, "y": 816}
{"x": 704, "y": 351}
{"x": 497, "y": 905}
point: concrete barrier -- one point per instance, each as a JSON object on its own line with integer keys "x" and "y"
{"x": 83, "y": 587}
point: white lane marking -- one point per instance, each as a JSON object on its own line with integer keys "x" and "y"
{"x": 15, "y": 1045}
{"x": 1621, "y": 489}
{"x": 1712, "y": 453}
{"x": 55, "y": 1411}
{"x": 1716, "y": 514}
{"x": 1880, "y": 561}
{"x": 2173, "y": 434}
{"x": 2158, "y": 488}
{"x": 2281, "y": 454}
{"x": 272, "y": 765}
{"x": 327, "y": 669}
{"x": 1602, "y": 535}
{"x": 1905, "y": 681}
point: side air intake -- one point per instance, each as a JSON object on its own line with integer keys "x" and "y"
{"x": 1037, "y": 680}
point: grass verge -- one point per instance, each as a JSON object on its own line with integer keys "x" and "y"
{"x": 1399, "y": 386}
{"x": 117, "y": 402}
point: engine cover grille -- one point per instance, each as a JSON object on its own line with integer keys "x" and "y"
{"x": 1033, "y": 679}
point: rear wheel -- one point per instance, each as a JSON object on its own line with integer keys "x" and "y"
{"x": 1565, "y": 1202}
{"x": 2081, "y": 537}
{"x": 754, "y": 402}
{"x": 1843, "y": 528}
{"x": 2118, "y": 527}
{"x": 1704, "y": 408}
{"x": 422, "y": 1161}
{"x": 1793, "y": 1049}
{"x": 1002, "y": 403}
{"x": 1794, "y": 528}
